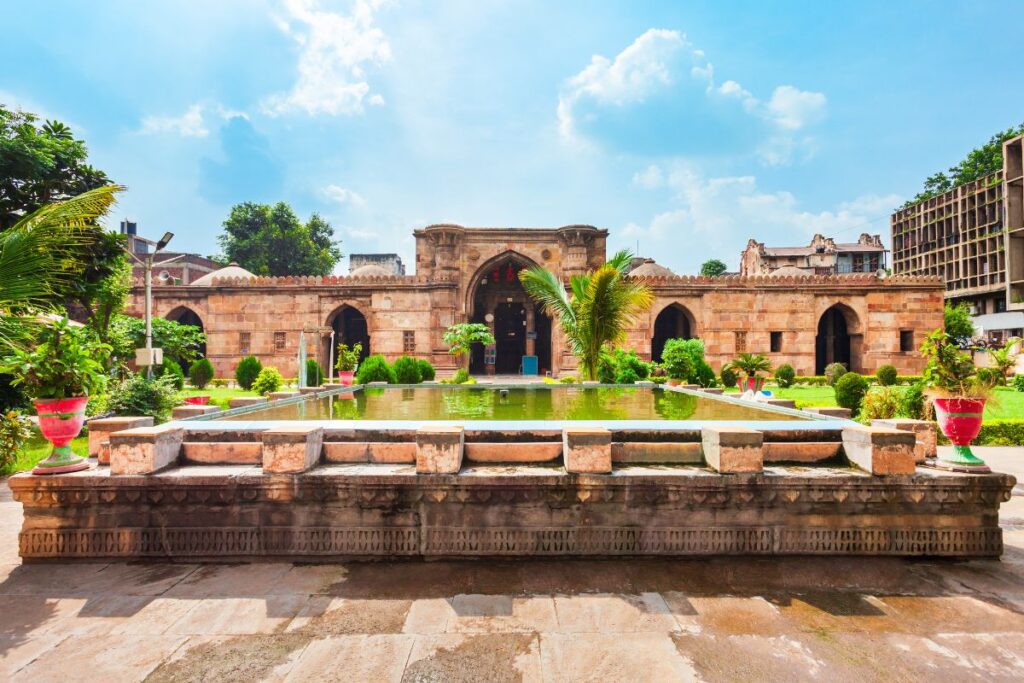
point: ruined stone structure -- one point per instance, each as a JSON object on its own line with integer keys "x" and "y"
{"x": 471, "y": 274}
{"x": 823, "y": 256}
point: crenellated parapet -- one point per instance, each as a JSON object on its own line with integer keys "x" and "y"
{"x": 857, "y": 280}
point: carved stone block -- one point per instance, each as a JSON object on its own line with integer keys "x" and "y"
{"x": 880, "y": 451}
{"x": 439, "y": 449}
{"x": 291, "y": 450}
{"x": 145, "y": 450}
{"x": 733, "y": 450}
{"x": 587, "y": 450}
{"x": 924, "y": 432}
{"x": 101, "y": 429}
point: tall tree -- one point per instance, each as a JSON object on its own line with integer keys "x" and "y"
{"x": 40, "y": 163}
{"x": 958, "y": 322}
{"x": 602, "y": 305}
{"x": 270, "y": 240}
{"x": 713, "y": 268}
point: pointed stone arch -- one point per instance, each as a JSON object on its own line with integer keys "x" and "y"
{"x": 839, "y": 338}
{"x": 674, "y": 321}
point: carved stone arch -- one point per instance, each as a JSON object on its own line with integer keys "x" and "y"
{"x": 674, "y": 321}
{"x": 839, "y": 338}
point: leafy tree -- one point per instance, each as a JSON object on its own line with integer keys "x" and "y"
{"x": 179, "y": 342}
{"x": 958, "y": 322}
{"x": 461, "y": 337}
{"x": 602, "y": 305}
{"x": 713, "y": 268}
{"x": 270, "y": 240}
{"x": 40, "y": 163}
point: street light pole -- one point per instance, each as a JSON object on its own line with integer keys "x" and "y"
{"x": 147, "y": 269}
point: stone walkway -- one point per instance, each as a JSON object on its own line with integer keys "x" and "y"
{"x": 718, "y": 619}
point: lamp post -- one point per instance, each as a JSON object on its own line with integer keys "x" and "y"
{"x": 147, "y": 265}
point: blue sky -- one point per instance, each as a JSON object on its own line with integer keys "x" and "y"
{"x": 685, "y": 127}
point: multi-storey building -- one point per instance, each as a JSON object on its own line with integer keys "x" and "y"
{"x": 823, "y": 256}
{"x": 969, "y": 236}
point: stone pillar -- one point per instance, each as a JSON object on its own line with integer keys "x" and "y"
{"x": 531, "y": 329}
{"x": 145, "y": 450}
{"x": 924, "y": 433}
{"x": 101, "y": 429}
{"x": 587, "y": 450}
{"x": 439, "y": 449}
{"x": 291, "y": 450}
{"x": 880, "y": 451}
{"x": 733, "y": 450}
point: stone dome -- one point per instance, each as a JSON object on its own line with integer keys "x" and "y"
{"x": 370, "y": 270}
{"x": 649, "y": 268}
{"x": 788, "y": 271}
{"x": 232, "y": 270}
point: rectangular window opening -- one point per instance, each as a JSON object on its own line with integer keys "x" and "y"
{"x": 776, "y": 342}
{"x": 906, "y": 341}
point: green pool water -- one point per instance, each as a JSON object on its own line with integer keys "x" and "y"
{"x": 489, "y": 403}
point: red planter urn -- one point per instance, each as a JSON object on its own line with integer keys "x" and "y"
{"x": 197, "y": 400}
{"x": 672, "y": 382}
{"x": 60, "y": 421}
{"x": 754, "y": 384}
{"x": 960, "y": 420}
{"x": 346, "y": 377}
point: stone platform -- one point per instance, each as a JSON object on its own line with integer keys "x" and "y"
{"x": 382, "y": 510}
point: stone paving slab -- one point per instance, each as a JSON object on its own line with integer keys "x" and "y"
{"x": 712, "y": 619}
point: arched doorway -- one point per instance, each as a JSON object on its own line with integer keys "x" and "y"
{"x": 674, "y": 322}
{"x": 838, "y": 339}
{"x": 183, "y": 315}
{"x": 350, "y": 328}
{"x": 520, "y": 327}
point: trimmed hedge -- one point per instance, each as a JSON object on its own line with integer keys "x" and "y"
{"x": 996, "y": 433}
{"x": 427, "y": 371}
{"x": 850, "y": 389}
{"x": 376, "y": 369}
{"x": 247, "y": 370}
{"x": 407, "y": 370}
{"x": 784, "y": 375}
{"x": 201, "y": 373}
{"x": 886, "y": 375}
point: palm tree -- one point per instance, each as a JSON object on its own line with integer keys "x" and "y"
{"x": 43, "y": 253}
{"x": 601, "y": 306}
{"x": 750, "y": 364}
{"x": 1005, "y": 358}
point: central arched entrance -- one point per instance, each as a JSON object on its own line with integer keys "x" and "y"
{"x": 350, "y": 328}
{"x": 498, "y": 300}
{"x": 674, "y": 322}
{"x": 838, "y": 339}
{"x": 183, "y": 315}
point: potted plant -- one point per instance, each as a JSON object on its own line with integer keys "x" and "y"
{"x": 747, "y": 365}
{"x": 348, "y": 361}
{"x": 958, "y": 394}
{"x": 58, "y": 374}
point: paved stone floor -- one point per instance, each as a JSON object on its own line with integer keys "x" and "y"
{"x": 720, "y": 619}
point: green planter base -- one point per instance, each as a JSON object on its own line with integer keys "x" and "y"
{"x": 61, "y": 460}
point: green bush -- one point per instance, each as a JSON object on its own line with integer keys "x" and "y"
{"x": 628, "y": 359}
{"x": 703, "y": 375}
{"x": 850, "y": 390}
{"x": 219, "y": 382}
{"x": 909, "y": 379}
{"x": 1018, "y": 382}
{"x": 729, "y": 376}
{"x": 988, "y": 376}
{"x": 200, "y": 373}
{"x": 172, "y": 370}
{"x": 833, "y": 371}
{"x": 887, "y": 375}
{"x": 269, "y": 380}
{"x": 376, "y": 369}
{"x": 679, "y": 358}
{"x": 427, "y": 371}
{"x": 15, "y": 430}
{"x": 626, "y": 375}
{"x": 314, "y": 373}
{"x": 246, "y": 371}
{"x": 606, "y": 367}
{"x": 567, "y": 379}
{"x": 811, "y": 380}
{"x": 407, "y": 371}
{"x": 882, "y": 404}
{"x": 1000, "y": 433}
{"x": 661, "y": 379}
{"x": 784, "y": 375}
{"x": 137, "y": 395}
{"x": 461, "y": 376}
{"x": 913, "y": 404}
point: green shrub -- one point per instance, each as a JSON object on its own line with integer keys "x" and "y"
{"x": 850, "y": 390}
{"x": 15, "y": 430}
{"x": 628, "y": 359}
{"x": 427, "y": 371}
{"x": 913, "y": 404}
{"x": 811, "y": 380}
{"x": 246, "y": 371}
{"x": 606, "y": 367}
{"x": 784, "y": 375}
{"x": 1018, "y": 382}
{"x": 137, "y": 395}
{"x": 661, "y": 379}
{"x": 200, "y": 373}
{"x": 887, "y": 375}
{"x": 567, "y": 379}
{"x": 314, "y": 373}
{"x": 461, "y": 376}
{"x": 219, "y": 382}
{"x": 172, "y": 370}
{"x": 909, "y": 379}
{"x": 269, "y": 380}
{"x": 679, "y": 358}
{"x": 407, "y": 371}
{"x": 833, "y": 371}
{"x": 728, "y": 376}
{"x": 881, "y": 404}
{"x": 1000, "y": 433}
{"x": 703, "y": 375}
{"x": 376, "y": 369}
{"x": 626, "y": 375}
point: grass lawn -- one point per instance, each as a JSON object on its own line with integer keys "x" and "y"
{"x": 37, "y": 448}
{"x": 218, "y": 395}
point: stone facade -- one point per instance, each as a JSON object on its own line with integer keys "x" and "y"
{"x": 469, "y": 274}
{"x": 823, "y": 256}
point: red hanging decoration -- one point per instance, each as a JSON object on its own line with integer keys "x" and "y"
{"x": 510, "y": 275}
{"x": 496, "y": 276}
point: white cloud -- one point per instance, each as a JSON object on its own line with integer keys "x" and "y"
{"x": 650, "y": 178}
{"x": 334, "y": 50}
{"x": 724, "y": 212}
{"x": 654, "y": 63}
{"x": 344, "y": 196}
{"x": 191, "y": 124}
{"x": 793, "y": 109}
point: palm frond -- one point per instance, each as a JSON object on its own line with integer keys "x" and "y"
{"x": 621, "y": 260}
